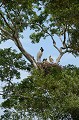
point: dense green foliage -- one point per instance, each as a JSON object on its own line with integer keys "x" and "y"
{"x": 46, "y": 96}
{"x": 10, "y": 64}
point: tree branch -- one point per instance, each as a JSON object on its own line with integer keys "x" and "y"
{"x": 26, "y": 54}
{"x": 9, "y": 81}
{"x": 1, "y": 94}
{"x": 57, "y": 48}
{"x": 6, "y": 21}
{"x": 60, "y": 38}
{"x": 1, "y": 5}
{"x": 3, "y": 36}
{"x": 59, "y": 57}
{"x": 6, "y": 32}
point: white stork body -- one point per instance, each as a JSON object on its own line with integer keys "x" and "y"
{"x": 39, "y": 54}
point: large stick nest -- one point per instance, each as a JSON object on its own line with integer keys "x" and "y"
{"x": 47, "y": 67}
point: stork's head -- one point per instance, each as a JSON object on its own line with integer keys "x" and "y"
{"x": 41, "y": 49}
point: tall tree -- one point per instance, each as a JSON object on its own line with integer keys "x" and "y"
{"x": 52, "y": 92}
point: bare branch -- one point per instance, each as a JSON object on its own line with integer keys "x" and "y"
{"x": 57, "y": 48}
{"x": 10, "y": 82}
{"x": 1, "y": 5}
{"x": 60, "y": 39}
{"x": 58, "y": 59}
{"x": 26, "y": 54}
{"x": 1, "y": 94}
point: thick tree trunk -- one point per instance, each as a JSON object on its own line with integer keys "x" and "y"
{"x": 26, "y": 54}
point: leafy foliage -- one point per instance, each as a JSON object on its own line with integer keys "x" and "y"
{"x": 46, "y": 93}
{"x": 50, "y": 22}
{"x": 10, "y": 64}
{"x": 47, "y": 96}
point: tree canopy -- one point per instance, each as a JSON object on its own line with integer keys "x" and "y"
{"x": 47, "y": 96}
{"x": 52, "y": 91}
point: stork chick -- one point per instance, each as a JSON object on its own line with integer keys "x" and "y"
{"x": 51, "y": 59}
{"x": 45, "y": 60}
